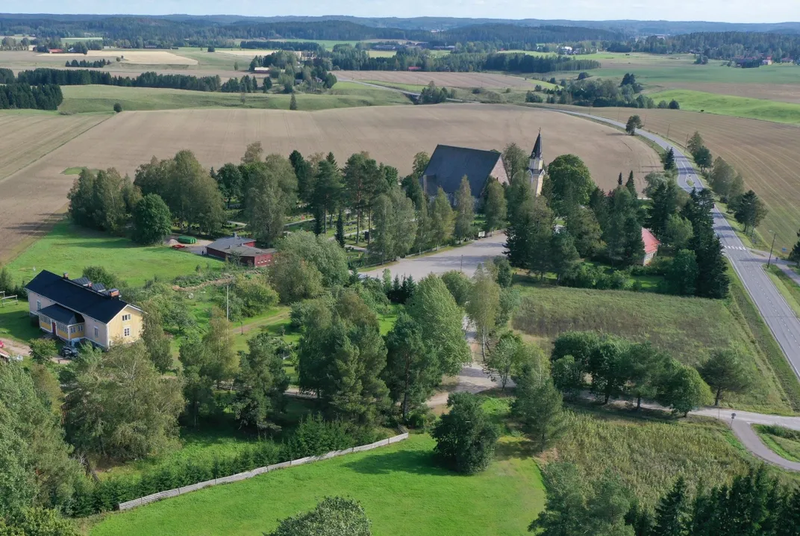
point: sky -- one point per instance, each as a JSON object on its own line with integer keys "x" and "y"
{"x": 682, "y": 10}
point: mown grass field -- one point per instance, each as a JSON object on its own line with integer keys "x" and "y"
{"x": 687, "y": 328}
{"x": 70, "y": 248}
{"x": 767, "y": 110}
{"x": 83, "y": 99}
{"x": 401, "y": 489}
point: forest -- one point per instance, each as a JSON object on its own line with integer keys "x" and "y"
{"x": 718, "y": 45}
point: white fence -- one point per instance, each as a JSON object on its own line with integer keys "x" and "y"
{"x": 141, "y": 501}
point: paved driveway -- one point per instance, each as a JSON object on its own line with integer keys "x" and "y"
{"x": 465, "y": 258}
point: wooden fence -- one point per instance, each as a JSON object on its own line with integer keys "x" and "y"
{"x": 141, "y": 501}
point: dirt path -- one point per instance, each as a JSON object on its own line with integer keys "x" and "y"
{"x": 15, "y": 347}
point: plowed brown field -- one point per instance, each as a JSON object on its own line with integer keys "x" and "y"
{"x": 766, "y": 154}
{"x": 391, "y": 135}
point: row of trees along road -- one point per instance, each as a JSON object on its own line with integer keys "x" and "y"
{"x": 607, "y": 227}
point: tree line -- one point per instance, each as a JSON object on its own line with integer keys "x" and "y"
{"x": 149, "y": 79}
{"x": 83, "y": 63}
{"x": 23, "y": 95}
{"x": 721, "y": 45}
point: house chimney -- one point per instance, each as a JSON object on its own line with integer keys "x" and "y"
{"x": 66, "y": 275}
{"x": 114, "y": 293}
{"x": 235, "y": 234}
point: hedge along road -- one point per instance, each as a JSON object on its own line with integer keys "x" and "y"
{"x": 777, "y": 313}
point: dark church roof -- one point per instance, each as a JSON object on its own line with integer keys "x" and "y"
{"x": 537, "y": 147}
{"x": 449, "y": 164}
{"x": 79, "y": 298}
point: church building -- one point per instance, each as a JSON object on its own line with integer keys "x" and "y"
{"x": 448, "y": 165}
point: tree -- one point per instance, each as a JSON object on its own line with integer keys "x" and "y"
{"x": 673, "y": 105}
{"x": 678, "y": 232}
{"x": 538, "y": 407}
{"x": 293, "y": 102}
{"x": 582, "y": 225}
{"x": 442, "y": 219}
{"x": 703, "y": 158}
{"x": 440, "y": 318}
{"x": 529, "y": 236}
{"x": 253, "y": 153}
{"x": 459, "y": 285}
{"x": 666, "y": 202}
{"x": 750, "y": 211}
{"x": 563, "y": 253}
{"x": 630, "y": 184}
{"x": 494, "y": 207}
{"x": 682, "y": 389}
{"x": 609, "y": 366}
{"x": 725, "y": 371}
{"x": 230, "y": 181}
{"x": 340, "y": 229}
{"x": 117, "y": 108}
{"x": 333, "y": 516}
{"x": 633, "y": 123}
{"x": 152, "y": 220}
{"x": 465, "y": 211}
{"x": 505, "y": 358}
{"x": 672, "y": 512}
{"x": 483, "y": 305}
{"x": 794, "y": 256}
{"x": 412, "y": 368}
{"x": 570, "y": 184}
{"x": 222, "y": 362}
{"x": 155, "y": 340}
{"x": 669, "y": 160}
{"x": 695, "y": 143}
{"x": 260, "y": 384}
{"x": 394, "y": 225}
{"x": 323, "y": 254}
{"x": 270, "y": 191}
{"x": 42, "y": 350}
{"x": 294, "y": 278}
{"x": 515, "y": 162}
{"x": 465, "y": 436}
{"x": 121, "y": 407}
{"x": 681, "y": 275}
{"x": 35, "y": 463}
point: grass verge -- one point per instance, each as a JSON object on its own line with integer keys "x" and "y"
{"x": 400, "y": 487}
{"x": 688, "y": 328}
{"x": 783, "y": 441}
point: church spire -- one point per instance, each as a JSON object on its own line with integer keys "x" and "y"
{"x": 537, "y": 147}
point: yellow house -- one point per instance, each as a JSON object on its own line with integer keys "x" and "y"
{"x": 77, "y": 310}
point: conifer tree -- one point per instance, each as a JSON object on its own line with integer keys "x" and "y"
{"x": 672, "y": 512}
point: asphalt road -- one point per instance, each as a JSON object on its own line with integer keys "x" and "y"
{"x": 779, "y": 316}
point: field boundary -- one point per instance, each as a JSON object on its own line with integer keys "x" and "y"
{"x": 147, "y": 499}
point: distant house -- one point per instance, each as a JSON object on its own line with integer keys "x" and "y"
{"x": 55, "y": 50}
{"x": 448, "y": 165}
{"x": 767, "y": 61}
{"x": 651, "y": 244}
{"x": 565, "y": 50}
{"x": 414, "y": 68}
{"x": 77, "y": 310}
{"x": 239, "y": 249}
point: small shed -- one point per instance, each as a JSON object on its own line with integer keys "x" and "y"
{"x": 240, "y": 249}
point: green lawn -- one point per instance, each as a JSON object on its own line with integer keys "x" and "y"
{"x": 688, "y": 328}
{"x": 70, "y": 248}
{"x": 767, "y": 110}
{"x": 787, "y": 287}
{"x": 400, "y": 487}
{"x": 88, "y": 99}
{"x": 15, "y": 322}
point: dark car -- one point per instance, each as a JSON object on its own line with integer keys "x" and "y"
{"x": 68, "y": 352}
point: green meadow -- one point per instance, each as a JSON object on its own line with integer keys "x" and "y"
{"x": 767, "y": 110}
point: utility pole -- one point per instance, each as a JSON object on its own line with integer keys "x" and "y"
{"x": 669, "y": 126}
{"x": 227, "y": 303}
{"x": 769, "y": 260}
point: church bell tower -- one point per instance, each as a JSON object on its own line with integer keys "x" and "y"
{"x": 536, "y": 167}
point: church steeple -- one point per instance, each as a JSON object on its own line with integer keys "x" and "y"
{"x": 536, "y": 166}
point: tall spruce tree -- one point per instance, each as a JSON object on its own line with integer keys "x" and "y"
{"x": 672, "y": 512}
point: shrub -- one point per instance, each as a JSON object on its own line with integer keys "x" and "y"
{"x": 117, "y": 107}
{"x": 465, "y": 437}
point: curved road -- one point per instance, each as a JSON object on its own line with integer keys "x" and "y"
{"x": 778, "y": 315}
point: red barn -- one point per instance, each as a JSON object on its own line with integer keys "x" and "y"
{"x": 239, "y": 249}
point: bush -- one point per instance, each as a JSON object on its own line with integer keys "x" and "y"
{"x": 334, "y": 516}
{"x": 117, "y": 107}
{"x": 465, "y": 437}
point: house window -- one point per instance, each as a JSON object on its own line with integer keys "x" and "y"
{"x": 96, "y": 332}
{"x": 127, "y": 332}
{"x": 38, "y": 305}
{"x": 126, "y": 318}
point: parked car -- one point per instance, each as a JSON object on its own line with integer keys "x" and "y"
{"x": 68, "y": 352}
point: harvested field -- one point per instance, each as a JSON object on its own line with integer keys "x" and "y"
{"x": 391, "y": 134}
{"x": 140, "y": 57}
{"x": 27, "y": 136}
{"x": 765, "y": 153}
{"x": 485, "y": 80}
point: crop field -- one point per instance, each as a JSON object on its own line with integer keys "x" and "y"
{"x": 764, "y": 152}
{"x": 687, "y": 328}
{"x": 81, "y": 99}
{"x": 400, "y": 488}
{"x": 390, "y": 134}
{"x": 465, "y": 80}
{"x": 766, "y": 110}
{"x": 772, "y": 92}
{"x": 140, "y": 57}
